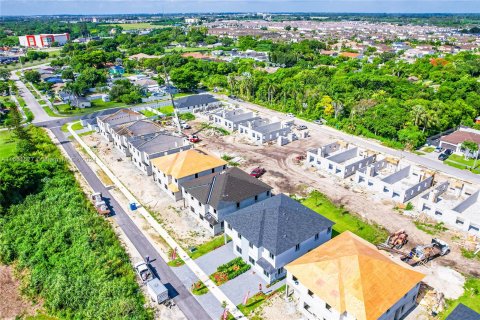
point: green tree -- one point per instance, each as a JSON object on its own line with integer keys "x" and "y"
{"x": 32, "y": 76}
{"x": 472, "y": 148}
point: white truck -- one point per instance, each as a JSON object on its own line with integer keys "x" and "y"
{"x": 143, "y": 271}
{"x": 157, "y": 291}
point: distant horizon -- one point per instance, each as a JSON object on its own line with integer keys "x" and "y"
{"x": 10, "y": 8}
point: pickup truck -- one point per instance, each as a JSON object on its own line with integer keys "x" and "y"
{"x": 144, "y": 272}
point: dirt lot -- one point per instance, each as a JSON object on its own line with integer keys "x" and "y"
{"x": 12, "y": 304}
{"x": 287, "y": 176}
{"x": 173, "y": 217}
{"x": 279, "y": 308}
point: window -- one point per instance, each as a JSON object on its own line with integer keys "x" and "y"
{"x": 297, "y": 247}
{"x": 196, "y": 175}
{"x": 317, "y": 236}
{"x": 191, "y": 197}
{"x": 271, "y": 256}
{"x": 201, "y": 217}
{"x": 310, "y": 293}
{"x": 280, "y": 271}
{"x": 266, "y": 273}
{"x": 229, "y": 226}
{"x": 294, "y": 278}
{"x": 329, "y": 229}
{"x": 239, "y": 250}
{"x": 222, "y": 224}
{"x": 328, "y": 307}
{"x": 256, "y": 198}
{"x": 250, "y": 245}
{"x": 306, "y": 306}
{"x": 238, "y": 204}
{"x": 214, "y": 210}
{"x": 388, "y": 311}
{"x": 211, "y": 226}
{"x": 268, "y": 193}
{"x": 251, "y": 260}
{"x": 239, "y": 235}
{"x": 213, "y": 170}
{"x": 192, "y": 209}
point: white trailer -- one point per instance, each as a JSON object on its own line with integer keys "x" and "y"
{"x": 157, "y": 291}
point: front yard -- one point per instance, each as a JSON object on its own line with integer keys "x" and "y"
{"x": 461, "y": 163}
{"x": 343, "y": 219}
{"x": 207, "y": 247}
{"x": 7, "y": 144}
{"x": 229, "y": 271}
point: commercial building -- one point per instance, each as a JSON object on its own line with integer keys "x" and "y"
{"x": 347, "y": 278}
{"x": 43, "y": 40}
{"x": 170, "y": 171}
{"x": 213, "y": 197}
{"x": 273, "y": 232}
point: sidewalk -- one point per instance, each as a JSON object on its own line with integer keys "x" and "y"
{"x": 219, "y": 295}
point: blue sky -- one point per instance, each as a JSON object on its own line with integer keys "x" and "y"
{"x": 45, "y": 7}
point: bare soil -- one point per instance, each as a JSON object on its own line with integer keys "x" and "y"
{"x": 173, "y": 216}
{"x": 278, "y": 308}
{"x": 286, "y": 175}
{"x": 12, "y": 304}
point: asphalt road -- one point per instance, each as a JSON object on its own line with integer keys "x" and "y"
{"x": 182, "y": 296}
{"x": 429, "y": 163}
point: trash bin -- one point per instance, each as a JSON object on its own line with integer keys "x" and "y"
{"x": 133, "y": 206}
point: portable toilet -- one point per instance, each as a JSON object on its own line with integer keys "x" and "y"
{"x": 157, "y": 291}
{"x": 133, "y": 206}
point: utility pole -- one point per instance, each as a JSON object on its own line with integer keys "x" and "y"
{"x": 176, "y": 119}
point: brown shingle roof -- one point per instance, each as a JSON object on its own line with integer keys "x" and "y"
{"x": 459, "y": 137}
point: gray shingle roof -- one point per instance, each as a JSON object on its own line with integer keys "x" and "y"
{"x": 158, "y": 142}
{"x": 278, "y": 223}
{"x": 462, "y": 312}
{"x": 138, "y": 128}
{"x": 194, "y": 100}
{"x": 223, "y": 188}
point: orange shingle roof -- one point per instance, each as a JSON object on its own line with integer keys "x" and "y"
{"x": 187, "y": 163}
{"x": 351, "y": 275}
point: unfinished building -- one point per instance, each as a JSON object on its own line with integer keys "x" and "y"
{"x": 392, "y": 180}
{"x": 454, "y": 204}
{"x": 231, "y": 119}
{"x": 261, "y": 130}
{"x": 340, "y": 159}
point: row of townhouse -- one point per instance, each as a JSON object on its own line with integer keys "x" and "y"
{"x": 278, "y": 236}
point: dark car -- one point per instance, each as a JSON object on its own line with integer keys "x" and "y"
{"x": 443, "y": 156}
{"x": 257, "y": 172}
{"x": 448, "y": 152}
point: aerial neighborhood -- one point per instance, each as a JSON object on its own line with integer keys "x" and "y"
{"x": 273, "y": 166}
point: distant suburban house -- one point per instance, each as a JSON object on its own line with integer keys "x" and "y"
{"x": 145, "y": 148}
{"x": 79, "y": 102}
{"x": 454, "y": 140}
{"x": 122, "y": 133}
{"x": 170, "y": 171}
{"x": 274, "y": 232}
{"x": 213, "y": 197}
{"x": 462, "y": 312}
{"x": 107, "y": 122}
{"x": 349, "y": 278}
{"x": 196, "y": 102}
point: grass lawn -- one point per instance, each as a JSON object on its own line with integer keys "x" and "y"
{"x": 428, "y": 149}
{"x": 430, "y": 228}
{"x": 461, "y": 163}
{"x": 166, "y": 109}
{"x": 148, "y": 113}
{"x": 50, "y": 112}
{"x": 176, "y": 263}
{"x": 343, "y": 219}
{"x": 7, "y": 144}
{"x": 97, "y": 105}
{"x": 76, "y": 126}
{"x": 133, "y": 26}
{"x": 254, "y": 303}
{"x": 17, "y": 65}
{"x": 21, "y": 101}
{"x": 205, "y": 248}
{"x": 470, "y": 298}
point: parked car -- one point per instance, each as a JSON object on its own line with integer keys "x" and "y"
{"x": 194, "y": 139}
{"x": 257, "y": 172}
{"x": 443, "y": 156}
{"x": 438, "y": 149}
{"x": 290, "y": 115}
{"x": 186, "y": 126}
{"x": 448, "y": 152}
{"x": 317, "y": 121}
{"x": 302, "y": 127}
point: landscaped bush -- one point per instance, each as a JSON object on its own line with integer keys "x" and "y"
{"x": 199, "y": 288}
{"x": 229, "y": 271}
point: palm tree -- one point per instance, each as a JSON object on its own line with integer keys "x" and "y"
{"x": 472, "y": 148}
{"x": 418, "y": 113}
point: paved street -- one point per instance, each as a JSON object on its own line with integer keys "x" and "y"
{"x": 362, "y": 142}
{"x": 182, "y": 296}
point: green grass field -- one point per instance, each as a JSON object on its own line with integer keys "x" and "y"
{"x": 148, "y": 113}
{"x": 134, "y": 26}
{"x": 7, "y": 144}
{"x": 344, "y": 220}
{"x": 166, "y": 109}
{"x": 470, "y": 298}
{"x": 461, "y": 163}
{"x": 97, "y": 105}
{"x": 207, "y": 247}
